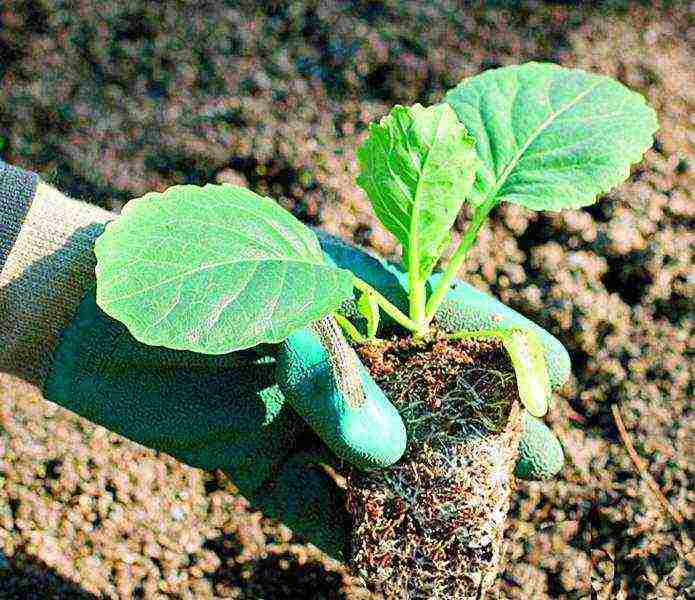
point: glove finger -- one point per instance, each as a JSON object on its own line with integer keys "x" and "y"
{"x": 540, "y": 452}
{"x": 309, "y": 502}
{"x": 368, "y": 435}
{"x": 377, "y": 272}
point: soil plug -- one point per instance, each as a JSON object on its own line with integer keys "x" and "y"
{"x": 431, "y": 526}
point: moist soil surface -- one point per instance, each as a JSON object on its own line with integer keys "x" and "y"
{"x": 111, "y": 100}
{"x": 470, "y": 380}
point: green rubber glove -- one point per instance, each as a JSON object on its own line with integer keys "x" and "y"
{"x": 210, "y": 412}
{"x": 465, "y": 307}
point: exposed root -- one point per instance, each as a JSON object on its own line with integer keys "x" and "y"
{"x": 432, "y": 525}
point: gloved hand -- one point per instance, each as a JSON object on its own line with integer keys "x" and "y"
{"x": 465, "y": 307}
{"x": 208, "y": 411}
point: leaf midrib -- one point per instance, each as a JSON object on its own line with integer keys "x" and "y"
{"x": 513, "y": 163}
{"x": 212, "y": 266}
{"x": 414, "y": 225}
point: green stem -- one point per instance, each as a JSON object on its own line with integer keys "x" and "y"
{"x": 416, "y": 293}
{"x": 459, "y": 256}
{"x": 390, "y": 309}
{"x": 350, "y": 330}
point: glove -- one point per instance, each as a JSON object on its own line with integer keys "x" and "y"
{"x": 465, "y": 307}
{"x": 208, "y": 411}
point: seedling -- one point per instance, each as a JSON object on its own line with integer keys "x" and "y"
{"x": 220, "y": 268}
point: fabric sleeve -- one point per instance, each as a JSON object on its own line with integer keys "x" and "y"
{"x": 17, "y": 188}
{"x": 46, "y": 272}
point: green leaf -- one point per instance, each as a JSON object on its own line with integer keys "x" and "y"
{"x": 368, "y": 307}
{"x": 528, "y": 359}
{"x": 550, "y": 138}
{"x": 418, "y": 166}
{"x": 213, "y": 269}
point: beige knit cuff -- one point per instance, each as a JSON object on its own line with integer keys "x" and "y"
{"x": 17, "y": 188}
{"x": 44, "y": 279}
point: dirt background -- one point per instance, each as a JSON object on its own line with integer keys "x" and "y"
{"x": 111, "y": 100}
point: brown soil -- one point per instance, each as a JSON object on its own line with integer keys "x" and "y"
{"x": 473, "y": 379}
{"x": 110, "y": 102}
{"x": 431, "y": 526}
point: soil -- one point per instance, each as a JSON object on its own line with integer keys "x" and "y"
{"x": 110, "y": 102}
{"x": 431, "y": 526}
{"x": 472, "y": 378}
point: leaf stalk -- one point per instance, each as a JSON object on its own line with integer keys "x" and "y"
{"x": 418, "y": 298}
{"x": 479, "y": 216}
{"x": 390, "y": 309}
{"x": 349, "y": 329}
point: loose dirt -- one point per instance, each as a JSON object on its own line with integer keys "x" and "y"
{"x": 109, "y": 103}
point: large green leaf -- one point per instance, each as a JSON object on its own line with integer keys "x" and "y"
{"x": 549, "y": 137}
{"x": 213, "y": 269}
{"x": 418, "y": 166}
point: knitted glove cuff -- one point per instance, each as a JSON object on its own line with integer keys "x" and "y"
{"x": 17, "y": 188}
{"x": 47, "y": 271}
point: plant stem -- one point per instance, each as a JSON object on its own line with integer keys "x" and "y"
{"x": 350, "y": 330}
{"x": 416, "y": 293}
{"x": 459, "y": 256}
{"x": 390, "y": 309}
